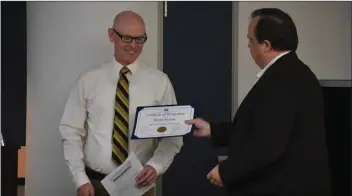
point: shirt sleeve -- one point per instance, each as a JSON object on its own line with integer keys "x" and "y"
{"x": 167, "y": 148}
{"x": 72, "y": 130}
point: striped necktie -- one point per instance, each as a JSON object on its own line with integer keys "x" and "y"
{"x": 120, "y": 132}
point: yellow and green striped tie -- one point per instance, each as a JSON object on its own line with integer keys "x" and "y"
{"x": 120, "y": 132}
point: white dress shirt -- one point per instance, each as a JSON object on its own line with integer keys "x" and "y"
{"x": 87, "y": 123}
{"x": 270, "y": 63}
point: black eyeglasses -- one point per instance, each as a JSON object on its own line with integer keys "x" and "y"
{"x": 129, "y": 39}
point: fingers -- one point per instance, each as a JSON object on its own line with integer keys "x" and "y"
{"x": 144, "y": 179}
{"x": 209, "y": 176}
{"x": 198, "y": 133}
{"x": 91, "y": 190}
{"x": 216, "y": 183}
{"x": 191, "y": 122}
{"x": 145, "y": 176}
{"x": 83, "y": 192}
{"x": 141, "y": 174}
{"x": 194, "y": 121}
{"x": 213, "y": 181}
{"x": 86, "y": 190}
{"x": 201, "y": 133}
{"x": 150, "y": 180}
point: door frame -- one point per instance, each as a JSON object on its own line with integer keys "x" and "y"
{"x": 160, "y": 53}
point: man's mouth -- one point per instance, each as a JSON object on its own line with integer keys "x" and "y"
{"x": 131, "y": 51}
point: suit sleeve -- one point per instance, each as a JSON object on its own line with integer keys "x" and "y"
{"x": 220, "y": 133}
{"x": 268, "y": 135}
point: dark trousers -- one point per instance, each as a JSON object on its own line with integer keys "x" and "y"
{"x": 99, "y": 189}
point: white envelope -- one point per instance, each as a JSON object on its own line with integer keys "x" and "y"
{"x": 122, "y": 181}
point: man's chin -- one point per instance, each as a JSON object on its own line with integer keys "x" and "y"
{"x": 132, "y": 57}
{"x": 131, "y": 60}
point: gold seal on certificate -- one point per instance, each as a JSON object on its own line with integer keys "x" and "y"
{"x": 162, "y": 121}
{"x": 161, "y": 129}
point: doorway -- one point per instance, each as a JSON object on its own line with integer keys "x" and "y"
{"x": 197, "y": 56}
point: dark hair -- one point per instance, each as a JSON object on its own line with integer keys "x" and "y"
{"x": 277, "y": 27}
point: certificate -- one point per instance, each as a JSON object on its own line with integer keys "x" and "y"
{"x": 122, "y": 181}
{"x": 162, "y": 121}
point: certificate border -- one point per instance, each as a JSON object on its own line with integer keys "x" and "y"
{"x": 139, "y": 108}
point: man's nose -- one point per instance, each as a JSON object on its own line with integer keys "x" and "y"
{"x": 133, "y": 44}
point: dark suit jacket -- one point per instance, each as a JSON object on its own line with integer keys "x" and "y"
{"x": 276, "y": 142}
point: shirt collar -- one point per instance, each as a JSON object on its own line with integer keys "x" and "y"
{"x": 132, "y": 67}
{"x": 260, "y": 74}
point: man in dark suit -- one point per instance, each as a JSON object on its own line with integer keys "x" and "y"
{"x": 276, "y": 142}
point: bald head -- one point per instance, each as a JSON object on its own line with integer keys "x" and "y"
{"x": 128, "y": 34}
{"x": 128, "y": 18}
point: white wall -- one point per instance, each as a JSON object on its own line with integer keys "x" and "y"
{"x": 65, "y": 39}
{"x": 324, "y": 30}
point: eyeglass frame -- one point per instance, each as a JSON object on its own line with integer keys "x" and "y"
{"x": 130, "y": 37}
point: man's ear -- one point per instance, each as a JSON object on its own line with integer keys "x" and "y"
{"x": 267, "y": 46}
{"x": 110, "y": 35}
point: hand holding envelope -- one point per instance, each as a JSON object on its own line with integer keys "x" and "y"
{"x": 162, "y": 121}
{"x": 146, "y": 177}
{"x": 122, "y": 181}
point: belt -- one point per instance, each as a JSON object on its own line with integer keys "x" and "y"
{"x": 94, "y": 174}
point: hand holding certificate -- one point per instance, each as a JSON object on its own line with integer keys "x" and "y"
{"x": 162, "y": 121}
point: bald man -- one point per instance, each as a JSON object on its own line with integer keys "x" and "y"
{"x": 103, "y": 104}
